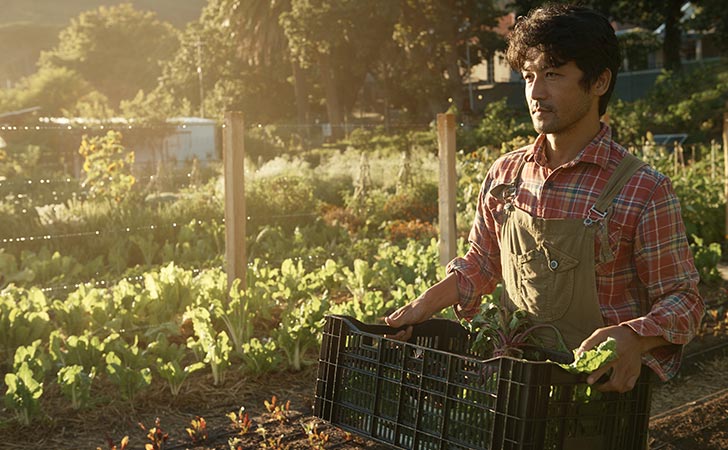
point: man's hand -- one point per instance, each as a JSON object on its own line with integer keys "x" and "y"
{"x": 433, "y": 300}
{"x": 625, "y": 370}
{"x": 410, "y": 314}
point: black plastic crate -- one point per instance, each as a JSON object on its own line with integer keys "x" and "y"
{"x": 429, "y": 393}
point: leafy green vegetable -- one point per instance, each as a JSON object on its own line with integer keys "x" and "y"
{"x": 593, "y": 359}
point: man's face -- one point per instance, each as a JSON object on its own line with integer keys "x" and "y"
{"x": 556, "y": 100}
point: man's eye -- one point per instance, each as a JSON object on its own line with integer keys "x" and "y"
{"x": 551, "y": 74}
{"x": 527, "y": 76}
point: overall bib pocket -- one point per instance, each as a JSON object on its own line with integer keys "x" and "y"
{"x": 543, "y": 279}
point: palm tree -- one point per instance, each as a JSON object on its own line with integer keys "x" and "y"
{"x": 262, "y": 39}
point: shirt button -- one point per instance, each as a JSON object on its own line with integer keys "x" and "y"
{"x": 553, "y": 264}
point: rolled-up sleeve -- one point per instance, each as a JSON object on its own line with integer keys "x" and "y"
{"x": 665, "y": 266}
{"x": 479, "y": 271}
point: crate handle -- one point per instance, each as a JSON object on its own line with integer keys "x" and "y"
{"x": 431, "y": 327}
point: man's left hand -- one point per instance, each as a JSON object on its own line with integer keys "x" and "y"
{"x": 625, "y": 369}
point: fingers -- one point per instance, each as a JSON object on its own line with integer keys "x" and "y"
{"x": 592, "y": 341}
{"x": 403, "y": 335}
{"x": 597, "y": 374}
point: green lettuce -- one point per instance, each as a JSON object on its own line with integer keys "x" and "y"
{"x": 591, "y": 360}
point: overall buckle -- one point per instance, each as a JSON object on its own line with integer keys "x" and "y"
{"x": 600, "y": 216}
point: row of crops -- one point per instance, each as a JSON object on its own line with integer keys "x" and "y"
{"x": 110, "y": 280}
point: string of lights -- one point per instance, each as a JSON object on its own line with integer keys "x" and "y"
{"x": 127, "y": 229}
{"x": 97, "y": 283}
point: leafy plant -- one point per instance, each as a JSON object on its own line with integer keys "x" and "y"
{"x": 277, "y": 410}
{"x": 112, "y": 446}
{"x": 108, "y": 167}
{"x": 75, "y": 384}
{"x": 501, "y": 332}
{"x": 706, "y": 259}
{"x": 23, "y": 393}
{"x": 317, "y": 440}
{"x": 127, "y": 366}
{"x": 197, "y": 431}
{"x": 260, "y": 356}
{"x": 299, "y": 330}
{"x": 240, "y": 421}
{"x": 156, "y": 435}
{"x": 211, "y": 347}
{"x": 593, "y": 359}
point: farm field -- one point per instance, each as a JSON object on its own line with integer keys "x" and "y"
{"x": 687, "y": 413}
{"x": 167, "y": 340}
{"x": 189, "y": 192}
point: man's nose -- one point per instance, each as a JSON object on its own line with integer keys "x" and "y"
{"x": 537, "y": 89}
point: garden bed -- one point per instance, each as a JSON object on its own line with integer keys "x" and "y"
{"x": 674, "y": 426}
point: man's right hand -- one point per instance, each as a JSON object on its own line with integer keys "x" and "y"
{"x": 433, "y": 300}
{"x": 410, "y": 314}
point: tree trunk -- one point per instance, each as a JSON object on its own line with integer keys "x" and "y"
{"x": 333, "y": 105}
{"x": 455, "y": 82}
{"x": 673, "y": 38}
{"x": 301, "y": 94}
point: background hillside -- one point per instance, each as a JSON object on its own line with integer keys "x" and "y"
{"x": 29, "y": 26}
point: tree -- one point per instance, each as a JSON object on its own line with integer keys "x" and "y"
{"x": 340, "y": 40}
{"x": 218, "y": 68}
{"x": 648, "y": 14}
{"x": 437, "y": 37}
{"x": 712, "y": 17}
{"x": 117, "y": 50}
{"x": 54, "y": 89}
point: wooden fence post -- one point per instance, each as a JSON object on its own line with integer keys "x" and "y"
{"x": 725, "y": 166}
{"x": 447, "y": 208}
{"x": 233, "y": 152}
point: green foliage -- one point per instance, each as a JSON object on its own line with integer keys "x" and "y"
{"x": 260, "y": 356}
{"x": 211, "y": 347}
{"x": 85, "y": 350}
{"x": 500, "y": 124}
{"x": 53, "y": 88}
{"x": 299, "y": 330}
{"x": 23, "y": 393}
{"x": 75, "y": 384}
{"x": 593, "y": 359}
{"x": 24, "y": 319}
{"x": 706, "y": 259}
{"x": 107, "y": 165}
{"x": 691, "y": 101}
{"x": 116, "y": 49}
{"x": 175, "y": 374}
{"x": 127, "y": 367}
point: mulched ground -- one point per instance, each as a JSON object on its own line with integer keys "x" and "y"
{"x": 702, "y": 425}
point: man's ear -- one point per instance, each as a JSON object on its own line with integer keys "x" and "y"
{"x": 602, "y": 82}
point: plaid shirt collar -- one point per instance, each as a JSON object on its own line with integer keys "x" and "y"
{"x": 596, "y": 152}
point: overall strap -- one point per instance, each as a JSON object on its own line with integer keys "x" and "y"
{"x": 629, "y": 165}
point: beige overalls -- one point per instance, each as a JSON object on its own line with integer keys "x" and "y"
{"x": 549, "y": 264}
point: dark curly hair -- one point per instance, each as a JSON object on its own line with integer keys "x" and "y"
{"x": 566, "y": 33}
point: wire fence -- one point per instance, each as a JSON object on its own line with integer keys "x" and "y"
{"x": 171, "y": 157}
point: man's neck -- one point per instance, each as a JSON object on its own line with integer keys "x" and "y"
{"x": 564, "y": 146}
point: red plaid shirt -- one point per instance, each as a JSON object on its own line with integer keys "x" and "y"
{"x": 651, "y": 285}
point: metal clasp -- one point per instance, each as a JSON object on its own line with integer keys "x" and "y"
{"x": 600, "y": 216}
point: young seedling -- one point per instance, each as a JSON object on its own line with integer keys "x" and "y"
{"x": 235, "y": 443}
{"x": 279, "y": 412}
{"x": 316, "y": 439}
{"x": 501, "y": 332}
{"x": 197, "y": 430}
{"x": 275, "y": 444}
{"x": 157, "y": 436}
{"x": 122, "y": 445}
{"x": 241, "y": 421}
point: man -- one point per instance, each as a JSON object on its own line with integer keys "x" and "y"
{"x": 582, "y": 234}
